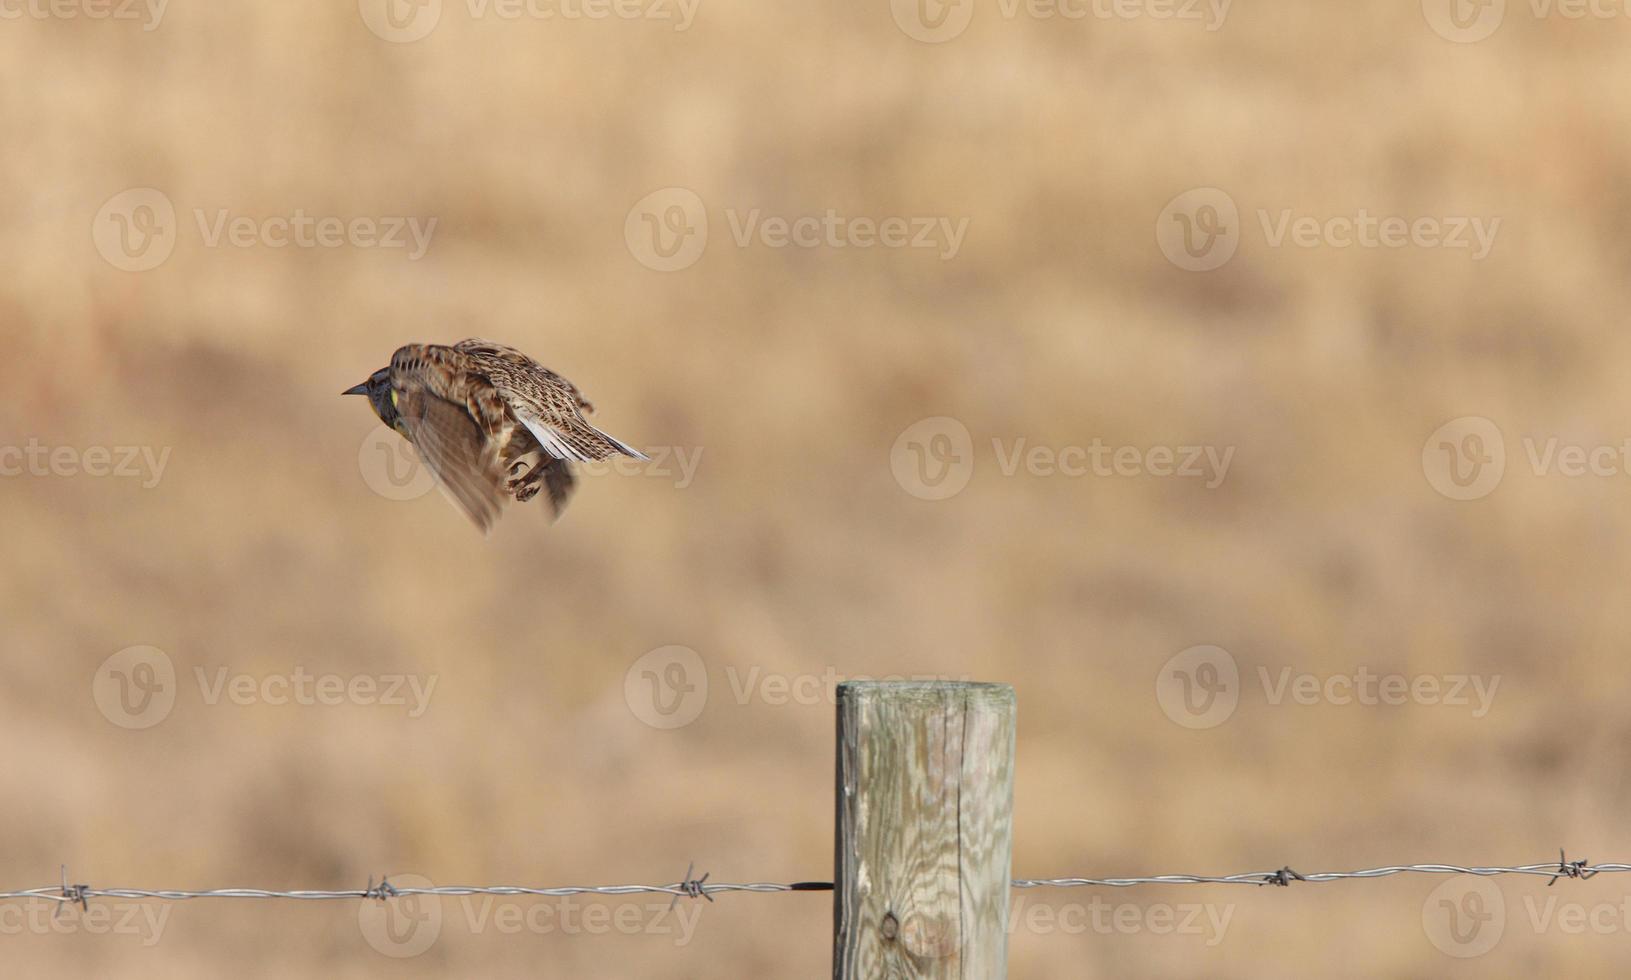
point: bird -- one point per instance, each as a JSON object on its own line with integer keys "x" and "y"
{"x": 490, "y": 423}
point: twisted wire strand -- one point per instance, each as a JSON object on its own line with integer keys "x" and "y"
{"x": 1285, "y": 876}
{"x": 690, "y": 887}
{"x": 77, "y": 894}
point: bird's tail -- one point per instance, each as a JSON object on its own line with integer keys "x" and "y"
{"x": 616, "y": 445}
{"x": 577, "y": 439}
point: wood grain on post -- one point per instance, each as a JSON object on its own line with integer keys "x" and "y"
{"x": 925, "y": 830}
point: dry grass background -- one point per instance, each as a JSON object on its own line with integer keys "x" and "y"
{"x": 795, "y": 550}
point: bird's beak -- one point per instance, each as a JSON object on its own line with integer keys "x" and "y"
{"x": 361, "y": 389}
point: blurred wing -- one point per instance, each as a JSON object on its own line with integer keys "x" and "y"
{"x": 454, "y": 451}
{"x": 558, "y": 482}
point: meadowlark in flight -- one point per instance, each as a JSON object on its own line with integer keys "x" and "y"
{"x": 489, "y": 423}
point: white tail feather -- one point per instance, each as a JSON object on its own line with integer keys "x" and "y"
{"x": 622, "y": 446}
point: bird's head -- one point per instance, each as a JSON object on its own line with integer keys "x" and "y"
{"x": 378, "y": 390}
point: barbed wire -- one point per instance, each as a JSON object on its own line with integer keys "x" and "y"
{"x": 1561, "y": 868}
{"x": 688, "y": 887}
{"x": 66, "y": 894}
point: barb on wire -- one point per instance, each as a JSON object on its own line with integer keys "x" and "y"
{"x": 1570, "y": 869}
{"x": 1283, "y": 878}
{"x": 79, "y": 894}
{"x": 691, "y": 888}
{"x": 65, "y": 894}
{"x": 384, "y": 891}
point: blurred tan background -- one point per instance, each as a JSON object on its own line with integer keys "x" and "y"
{"x": 795, "y": 551}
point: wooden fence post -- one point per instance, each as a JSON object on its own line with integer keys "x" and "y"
{"x": 925, "y": 830}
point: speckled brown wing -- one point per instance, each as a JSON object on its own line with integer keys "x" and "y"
{"x": 482, "y": 349}
{"x": 548, "y": 405}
